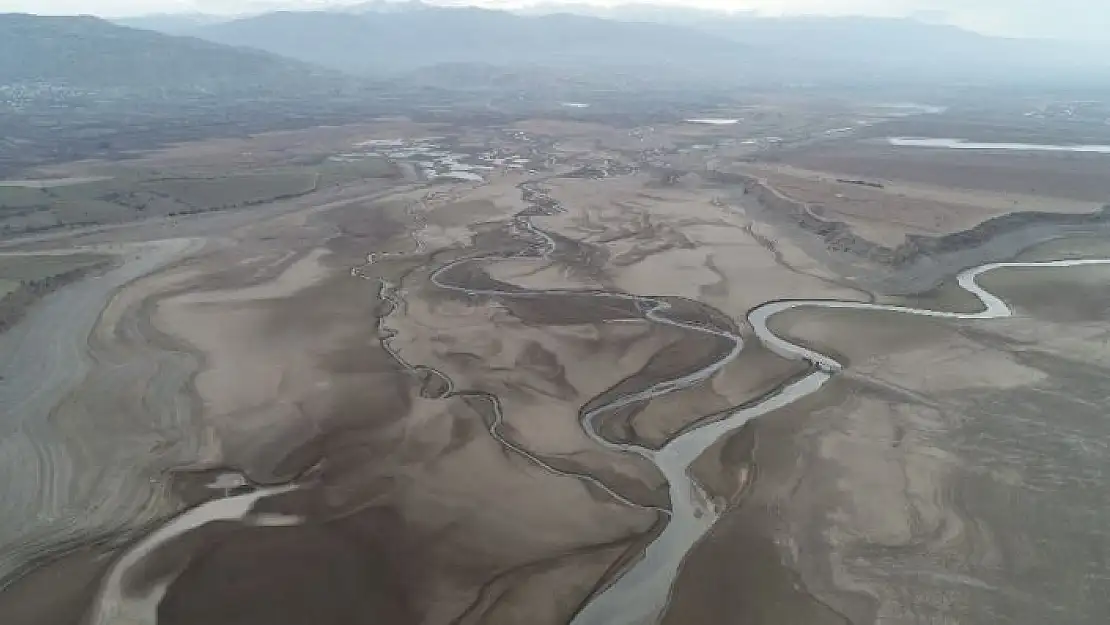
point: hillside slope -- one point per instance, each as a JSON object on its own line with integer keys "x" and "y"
{"x": 797, "y": 50}
{"x": 93, "y": 54}
{"x": 406, "y": 40}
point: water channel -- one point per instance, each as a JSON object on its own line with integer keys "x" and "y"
{"x": 641, "y": 594}
{"x": 963, "y": 144}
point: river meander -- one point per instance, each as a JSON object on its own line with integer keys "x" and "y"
{"x": 640, "y": 594}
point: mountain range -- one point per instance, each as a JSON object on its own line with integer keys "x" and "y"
{"x": 173, "y": 23}
{"x": 389, "y": 37}
{"x": 88, "y": 53}
{"x": 386, "y": 41}
{"x": 400, "y": 41}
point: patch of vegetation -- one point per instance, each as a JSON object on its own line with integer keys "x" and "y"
{"x": 8, "y": 286}
{"x": 22, "y": 197}
{"x": 26, "y": 279}
{"x": 232, "y": 191}
{"x": 128, "y": 197}
{"x": 30, "y": 268}
{"x": 344, "y": 172}
{"x": 90, "y": 53}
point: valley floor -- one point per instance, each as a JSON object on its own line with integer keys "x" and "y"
{"x": 403, "y": 400}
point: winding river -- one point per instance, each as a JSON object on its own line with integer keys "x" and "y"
{"x": 641, "y": 594}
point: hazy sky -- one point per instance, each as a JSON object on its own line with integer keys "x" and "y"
{"x": 1086, "y": 19}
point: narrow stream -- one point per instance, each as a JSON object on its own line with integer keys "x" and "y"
{"x": 641, "y": 594}
{"x": 114, "y": 605}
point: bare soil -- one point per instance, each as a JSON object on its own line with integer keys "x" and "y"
{"x": 435, "y": 437}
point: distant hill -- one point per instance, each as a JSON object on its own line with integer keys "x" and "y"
{"x": 93, "y": 54}
{"x": 383, "y": 6}
{"x": 897, "y": 47}
{"x": 662, "y": 13}
{"x": 372, "y": 40}
{"x": 172, "y": 23}
{"x": 886, "y": 48}
{"x": 672, "y": 41}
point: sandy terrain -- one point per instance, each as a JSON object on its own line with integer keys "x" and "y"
{"x": 369, "y": 403}
{"x": 218, "y": 156}
{"x": 924, "y": 476}
{"x": 286, "y": 358}
{"x": 886, "y": 215}
{"x": 1055, "y": 176}
{"x": 684, "y": 237}
{"x": 45, "y": 361}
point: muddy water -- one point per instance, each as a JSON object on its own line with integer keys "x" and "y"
{"x": 961, "y": 144}
{"x": 115, "y": 606}
{"x": 642, "y": 593}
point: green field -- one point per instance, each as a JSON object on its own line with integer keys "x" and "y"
{"x": 20, "y": 269}
{"x": 25, "y": 279}
{"x": 343, "y": 172}
{"x": 20, "y": 197}
{"x": 232, "y": 191}
{"x": 136, "y": 195}
{"x": 7, "y": 286}
{"x": 127, "y": 194}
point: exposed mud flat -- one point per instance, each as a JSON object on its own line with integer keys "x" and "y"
{"x": 964, "y": 144}
{"x": 49, "y": 358}
{"x": 49, "y": 183}
{"x": 901, "y": 490}
{"x": 535, "y": 399}
{"x": 920, "y": 262}
{"x": 296, "y": 381}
